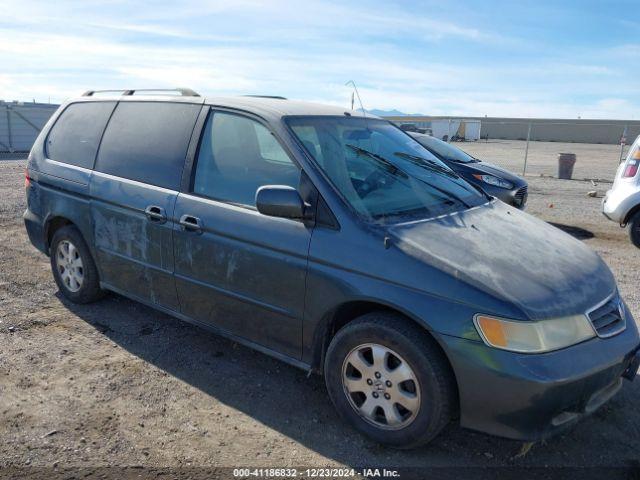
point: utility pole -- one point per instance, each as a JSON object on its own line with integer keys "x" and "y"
{"x": 623, "y": 141}
{"x": 526, "y": 151}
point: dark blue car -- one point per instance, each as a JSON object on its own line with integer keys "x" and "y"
{"x": 335, "y": 242}
{"x": 494, "y": 180}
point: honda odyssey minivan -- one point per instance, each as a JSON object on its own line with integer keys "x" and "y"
{"x": 331, "y": 240}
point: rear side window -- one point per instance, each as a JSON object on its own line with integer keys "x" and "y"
{"x": 147, "y": 142}
{"x": 237, "y": 156}
{"x": 75, "y": 136}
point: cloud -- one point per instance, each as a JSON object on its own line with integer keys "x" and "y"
{"x": 627, "y": 51}
{"x": 411, "y": 57}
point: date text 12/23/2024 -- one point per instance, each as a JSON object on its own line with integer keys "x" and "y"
{"x": 314, "y": 473}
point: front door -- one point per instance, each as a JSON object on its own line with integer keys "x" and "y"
{"x": 235, "y": 268}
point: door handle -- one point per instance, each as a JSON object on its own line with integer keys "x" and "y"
{"x": 191, "y": 223}
{"x": 155, "y": 214}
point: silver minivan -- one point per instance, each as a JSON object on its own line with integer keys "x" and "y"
{"x": 622, "y": 203}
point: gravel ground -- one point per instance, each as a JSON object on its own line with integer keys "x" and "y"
{"x": 593, "y": 161}
{"x": 116, "y": 383}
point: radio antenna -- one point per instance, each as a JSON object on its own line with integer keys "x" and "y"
{"x": 355, "y": 89}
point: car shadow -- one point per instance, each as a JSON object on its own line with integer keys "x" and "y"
{"x": 577, "y": 232}
{"x": 287, "y": 400}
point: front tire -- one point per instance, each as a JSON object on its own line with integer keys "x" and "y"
{"x": 634, "y": 229}
{"x": 388, "y": 378}
{"x": 73, "y": 267}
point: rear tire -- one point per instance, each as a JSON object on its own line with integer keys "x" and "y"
{"x": 73, "y": 267}
{"x": 634, "y": 229}
{"x": 389, "y": 379}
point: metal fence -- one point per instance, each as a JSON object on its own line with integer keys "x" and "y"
{"x": 532, "y": 148}
{"x": 20, "y": 124}
{"x": 540, "y": 129}
{"x": 526, "y": 147}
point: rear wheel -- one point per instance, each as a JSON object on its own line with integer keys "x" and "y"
{"x": 388, "y": 378}
{"x": 73, "y": 267}
{"x": 634, "y": 229}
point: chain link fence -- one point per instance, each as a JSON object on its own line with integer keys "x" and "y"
{"x": 523, "y": 147}
{"x": 534, "y": 147}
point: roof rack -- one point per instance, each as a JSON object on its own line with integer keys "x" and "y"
{"x": 277, "y": 97}
{"x": 185, "y": 92}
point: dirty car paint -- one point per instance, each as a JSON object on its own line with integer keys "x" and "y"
{"x": 514, "y": 256}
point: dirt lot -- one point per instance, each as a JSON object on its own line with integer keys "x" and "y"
{"x": 116, "y": 383}
{"x": 594, "y": 161}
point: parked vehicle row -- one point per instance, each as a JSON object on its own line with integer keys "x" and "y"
{"x": 336, "y": 242}
{"x": 494, "y": 180}
{"x": 621, "y": 204}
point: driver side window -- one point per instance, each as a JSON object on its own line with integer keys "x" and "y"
{"x": 237, "y": 156}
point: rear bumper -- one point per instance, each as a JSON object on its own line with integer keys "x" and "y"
{"x": 35, "y": 230}
{"x": 618, "y": 202}
{"x": 530, "y": 397}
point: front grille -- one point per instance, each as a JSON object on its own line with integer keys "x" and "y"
{"x": 608, "y": 319}
{"x": 521, "y": 195}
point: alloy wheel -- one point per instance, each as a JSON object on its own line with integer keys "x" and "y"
{"x": 381, "y": 386}
{"x": 69, "y": 264}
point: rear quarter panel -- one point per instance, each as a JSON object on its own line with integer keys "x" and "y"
{"x": 58, "y": 189}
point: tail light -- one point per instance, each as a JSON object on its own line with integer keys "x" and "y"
{"x": 27, "y": 180}
{"x": 631, "y": 168}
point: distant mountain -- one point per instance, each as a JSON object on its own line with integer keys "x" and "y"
{"x": 390, "y": 113}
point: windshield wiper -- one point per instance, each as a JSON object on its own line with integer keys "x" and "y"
{"x": 397, "y": 170}
{"x": 431, "y": 162}
{"x": 428, "y": 163}
{"x": 389, "y": 166}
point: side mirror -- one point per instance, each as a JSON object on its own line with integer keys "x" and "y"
{"x": 280, "y": 201}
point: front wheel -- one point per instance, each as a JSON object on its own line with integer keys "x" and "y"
{"x": 389, "y": 379}
{"x": 634, "y": 229}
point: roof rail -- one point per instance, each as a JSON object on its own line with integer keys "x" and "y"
{"x": 277, "y": 97}
{"x": 185, "y": 92}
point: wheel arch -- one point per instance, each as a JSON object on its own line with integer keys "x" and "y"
{"x": 348, "y": 311}
{"x": 52, "y": 225}
{"x": 630, "y": 214}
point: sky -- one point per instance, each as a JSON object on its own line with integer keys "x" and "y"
{"x": 556, "y": 59}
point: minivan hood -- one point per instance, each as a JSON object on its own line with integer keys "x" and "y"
{"x": 512, "y": 256}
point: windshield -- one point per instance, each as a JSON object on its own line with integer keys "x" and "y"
{"x": 444, "y": 150}
{"x": 381, "y": 172}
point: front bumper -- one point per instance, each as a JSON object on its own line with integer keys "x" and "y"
{"x": 532, "y": 396}
{"x": 516, "y": 197}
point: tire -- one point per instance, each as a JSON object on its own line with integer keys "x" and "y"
{"x": 634, "y": 229}
{"x": 427, "y": 402}
{"x": 75, "y": 271}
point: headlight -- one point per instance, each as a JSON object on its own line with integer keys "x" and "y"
{"x": 493, "y": 180}
{"x": 533, "y": 337}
